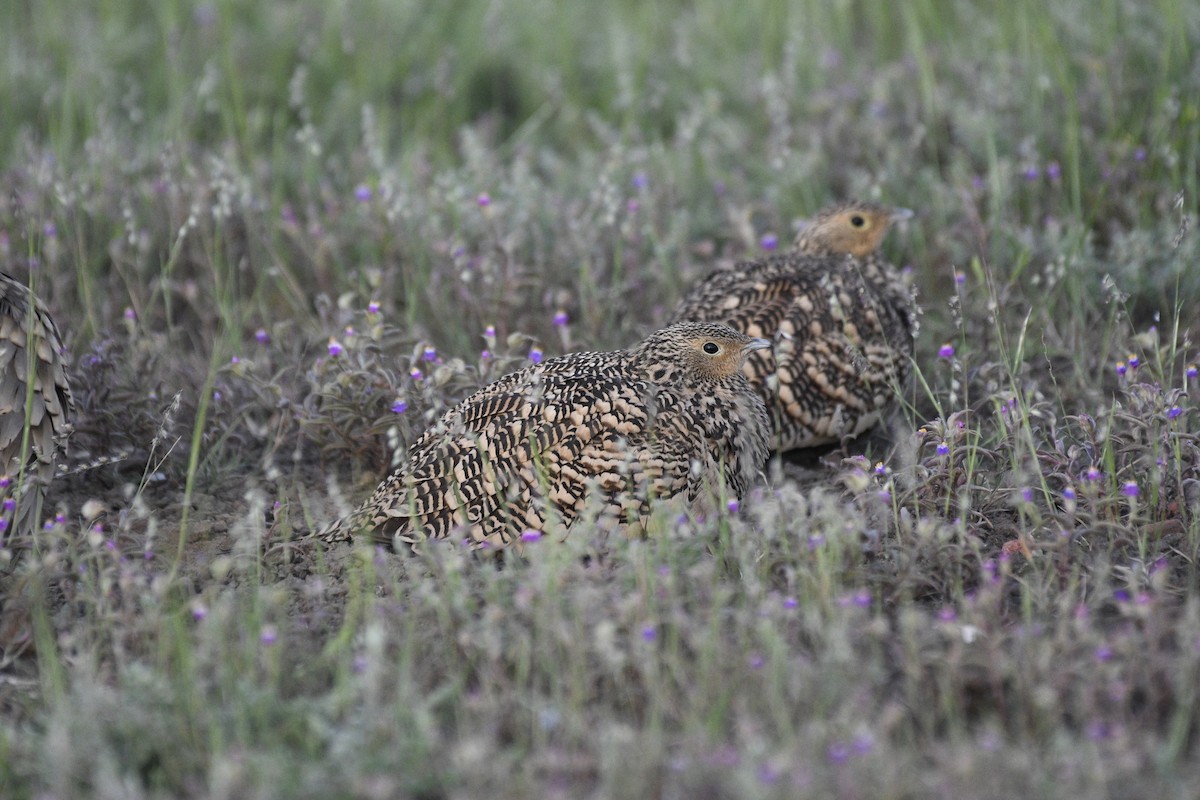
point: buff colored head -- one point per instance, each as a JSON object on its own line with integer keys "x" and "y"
{"x": 855, "y": 227}
{"x": 706, "y": 350}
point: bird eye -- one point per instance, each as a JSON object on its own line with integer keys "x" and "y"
{"x": 857, "y": 221}
{"x": 712, "y": 348}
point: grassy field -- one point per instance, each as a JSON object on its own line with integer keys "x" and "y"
{"x": 275, "y": 234}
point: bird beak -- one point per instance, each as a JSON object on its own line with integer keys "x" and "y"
{"x": 901, "y": 214}
{"x": 755, "y": 344}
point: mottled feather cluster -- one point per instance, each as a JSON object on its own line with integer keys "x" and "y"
{"x": 840, "y": 318}
{"x": 585, "y": 433}
{"x": 35, "y": 402}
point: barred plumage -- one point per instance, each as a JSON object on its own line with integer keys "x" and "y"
{"x": 35, "y": 397}
{"x": 841, "y": 319}
{"x": 601, "y": 432}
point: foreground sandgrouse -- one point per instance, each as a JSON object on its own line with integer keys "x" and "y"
{"x": 840, "y": 317}
{"x": 582, "y": 433}
{"x": 35, "y": 401}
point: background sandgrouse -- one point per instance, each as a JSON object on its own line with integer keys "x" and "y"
{"x": 583, "y": 432}
{"x": 35, "y": 401}
{"x": 840, "y": 318}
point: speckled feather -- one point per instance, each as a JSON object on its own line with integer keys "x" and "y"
{"x": 30, "y": 339}
{"x": 582, "y": 433}
{"x": 841, "y": 318}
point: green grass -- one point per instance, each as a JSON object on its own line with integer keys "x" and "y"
{"x": 212, "y": 195}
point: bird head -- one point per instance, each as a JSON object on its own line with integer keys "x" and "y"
{"x": 706, "y": 350}
{"x": 856, "y": 228}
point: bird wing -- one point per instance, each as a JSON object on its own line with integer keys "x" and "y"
{"x": 495, "y": 461}
{"x": 30, "y": 340}
{"x": 752, "y": 297}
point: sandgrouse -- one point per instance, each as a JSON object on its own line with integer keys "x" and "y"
{"x": 35, "y": 401}
{"x": 582, "y": 433}
{"x": 840, "y": 317}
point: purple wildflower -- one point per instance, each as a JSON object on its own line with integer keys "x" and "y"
{"x": 261, "y": 336}
{"x": 1103, "y": 653}
{"x": 335, "y": 348}
{"x": 733, "y": 506}
{"x": 1139, "y": 154}
{"x": 769, "y": 241}
{"x": 483, "y": 200}
{"x": 535, "y": 355}
{"x": 768, "y": 775}
{"x": 640, "y": 180}
{"x": 1092, "y": 474}
{"x": 1173, "y": 412}
{"x": 1192, "y": 371}
{"x": 649, "y": 633}
{"x": 362, "y": 193}
{"x": 1032, "y": 173}
{"x": 1130, "y": 489}
{"x": 399, "y": 407}
{"x": 373, "y": 307}
{"x": 943, "y": 449}
{"x": 789, "y": 602}
{"x": 946, "y": 351}
{"x": 268, "y": 635}
{"x": 530, "y": 535}
{"x": 1053, "y": 171}
{"x": 560, "y": 318}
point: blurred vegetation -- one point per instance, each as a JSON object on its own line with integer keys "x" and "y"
{"x": 275, "y": 237}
